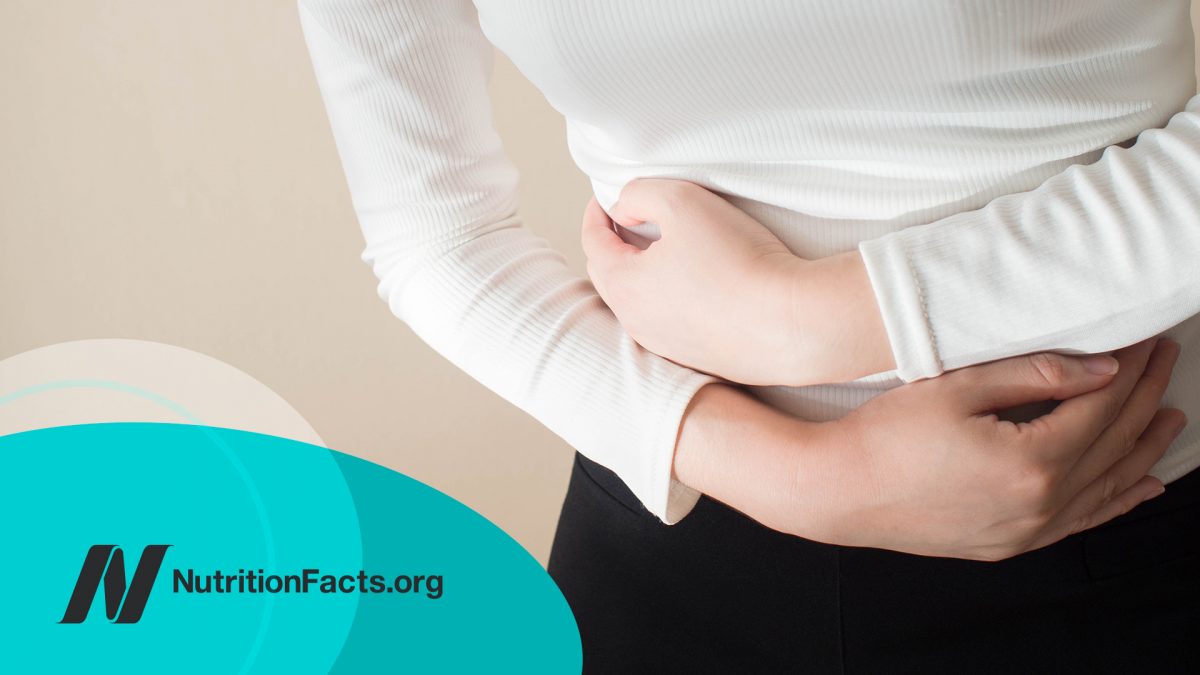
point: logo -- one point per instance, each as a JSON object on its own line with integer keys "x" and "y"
{"x": 122, "y": 603}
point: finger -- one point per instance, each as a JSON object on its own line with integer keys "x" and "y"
{"x": 1147, "y": 487}
{"x": 665, "y": 201}
{"x": 1166, "y": 426}
{"x": 1119, "y": 438}
{"x": 1124, "y": 484}
{"x": 600, "y": 243}
{"x": 1035, "y": 377}
{"x": 1075, "y": 424}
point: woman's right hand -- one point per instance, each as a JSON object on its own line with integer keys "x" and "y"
{"x": 930, "y": 468}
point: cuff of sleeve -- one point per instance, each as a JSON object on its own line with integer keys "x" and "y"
{"x": 671, "y": 501}
{"x": 905, "y": 315}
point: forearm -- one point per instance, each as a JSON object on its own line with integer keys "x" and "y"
{"x": 928, "y": 468}
{"x": 1096, "y": 257}
{"x": 719, "y": 292}
{"x": 405, "y": 86}
{"x": 744, "y": 453}
{"x": 834, "y": 327}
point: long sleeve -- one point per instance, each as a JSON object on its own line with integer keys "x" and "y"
{"x": 404, "y": 83}
{"x": 1095, "y": 258}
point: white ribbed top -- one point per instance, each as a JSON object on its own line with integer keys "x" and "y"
{"x": 967, "y": 148}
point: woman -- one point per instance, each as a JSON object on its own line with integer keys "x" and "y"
{"x": 906, "y": 189}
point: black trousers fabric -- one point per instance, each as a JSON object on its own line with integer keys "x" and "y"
{"x": 719, "y": 593}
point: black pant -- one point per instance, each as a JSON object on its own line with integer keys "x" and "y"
{"x": 718, "y": 592}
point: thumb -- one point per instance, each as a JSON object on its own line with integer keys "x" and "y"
{"x": 1032, "y": 378}
{"x": 600, "y": 242}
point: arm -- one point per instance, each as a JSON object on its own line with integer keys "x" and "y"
{"x": 754, "y": 312}
{"x": 404, "y": 84}
{"x": 1096, "y": 257}
{"x": 405, "y": 87}
{"x": 928, "y": 468}
{"x": 923, "y": 468}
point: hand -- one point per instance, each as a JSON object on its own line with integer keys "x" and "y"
{"x": 929, "y": 468}
{"x": 718, "y": 292}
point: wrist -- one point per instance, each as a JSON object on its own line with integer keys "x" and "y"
{"x": 828, "y": 476}
{"x": 701, "y": 454}
{"x": 747, "y": 454}
{"x": 795, "y": 293}
{"x": 834, "y": 329}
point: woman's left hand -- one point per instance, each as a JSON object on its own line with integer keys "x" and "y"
{"x": 719, "y": 292}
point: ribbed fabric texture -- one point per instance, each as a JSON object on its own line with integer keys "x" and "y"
{"x": 963, "y": 147}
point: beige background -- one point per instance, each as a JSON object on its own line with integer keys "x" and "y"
{"x": 167, "y": 173}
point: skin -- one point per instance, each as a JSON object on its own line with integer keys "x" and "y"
{"x": 817, "y": 318}
{"x": 931, "y": 467}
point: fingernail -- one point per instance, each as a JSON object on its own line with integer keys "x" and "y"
{"x": 1101, "y": 364}
{"x": 1154, "y": 494}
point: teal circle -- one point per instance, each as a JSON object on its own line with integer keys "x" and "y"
{"x": 230, "y": 501}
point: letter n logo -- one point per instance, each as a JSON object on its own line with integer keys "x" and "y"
{"x": 122, "y": 604}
